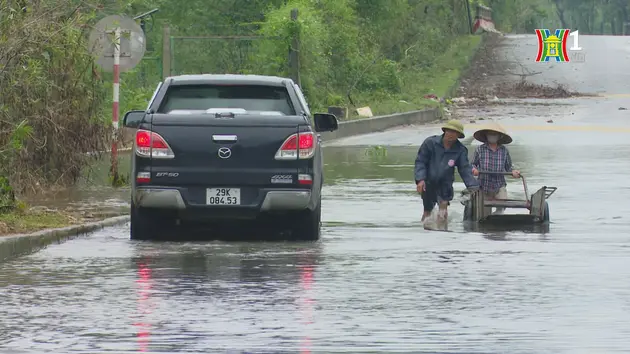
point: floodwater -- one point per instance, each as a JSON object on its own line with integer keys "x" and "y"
{"x": 377, "y": 281}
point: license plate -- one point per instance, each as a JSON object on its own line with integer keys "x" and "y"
{"x": 223, "y": 196}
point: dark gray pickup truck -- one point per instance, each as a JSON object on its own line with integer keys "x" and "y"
{"x": 227, "y": 147}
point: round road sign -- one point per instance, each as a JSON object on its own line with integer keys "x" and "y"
{"x": 102, "y": 39}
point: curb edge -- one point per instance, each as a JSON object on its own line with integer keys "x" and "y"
{"x": 21, "y": 244}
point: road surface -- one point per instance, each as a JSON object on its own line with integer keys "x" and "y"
{"x": 377, "y": 281}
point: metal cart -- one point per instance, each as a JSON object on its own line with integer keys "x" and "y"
{"x": 479, "y": 210}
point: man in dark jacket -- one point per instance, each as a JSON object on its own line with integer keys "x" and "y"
{"x": 435, "y": 168}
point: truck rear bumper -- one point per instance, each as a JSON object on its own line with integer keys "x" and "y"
{"x": 285, "y": 200}
{"x": 160, "y": 198}
{"x": 172, "y": 198}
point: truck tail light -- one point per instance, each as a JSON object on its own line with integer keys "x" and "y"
{"x": 143, "y": 177}
{"x": 151, "y": 144}
{"x": 305, "y": 179}
{"x": 297, "y": 146}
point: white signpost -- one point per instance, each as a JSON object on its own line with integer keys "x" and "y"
{"x": 118, "y": 45}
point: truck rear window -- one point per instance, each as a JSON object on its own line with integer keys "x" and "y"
{"x": 248, "y": 97}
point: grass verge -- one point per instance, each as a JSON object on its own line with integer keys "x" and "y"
{"x": 438, "y": 79}
{"x": 27, "y": 221}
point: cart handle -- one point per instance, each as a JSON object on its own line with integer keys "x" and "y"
{"x": 495, "y": 173}
{"x": 509, "y": 174}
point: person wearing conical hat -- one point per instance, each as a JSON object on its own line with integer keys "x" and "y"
{"x": 493, "y": 156}
{"x": 435, "y": 168}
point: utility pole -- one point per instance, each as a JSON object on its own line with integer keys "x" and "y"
{"x": 143, "y": 25}
{"x": 470, "y": 25}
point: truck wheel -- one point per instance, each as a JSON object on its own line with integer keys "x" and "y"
{"x": 468, "y": 211}
{"x": 142, "y": 227}
{"x": 546, "y": 213}
{"x": 307, "y": 225}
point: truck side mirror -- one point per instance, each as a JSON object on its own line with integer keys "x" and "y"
{"x": 132, "y": 119}
{"x": 325, "y": 122}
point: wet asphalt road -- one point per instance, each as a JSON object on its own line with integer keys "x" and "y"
{"x": 377, "y": 281}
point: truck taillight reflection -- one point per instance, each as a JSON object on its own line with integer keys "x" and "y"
{"x": 142, "y": 325}
{"x": 306, "y": 304}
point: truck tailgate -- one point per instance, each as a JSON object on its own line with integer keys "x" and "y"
{"x": 222, "y": 151}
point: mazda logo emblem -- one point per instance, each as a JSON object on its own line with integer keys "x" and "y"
{"x": 225, "y": 153}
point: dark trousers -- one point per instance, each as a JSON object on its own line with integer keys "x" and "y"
{"x": 435, "y": 193}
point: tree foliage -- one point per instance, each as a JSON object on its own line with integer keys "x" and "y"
{"x": 50, "y": 100}
{"x": 593, "y": 16}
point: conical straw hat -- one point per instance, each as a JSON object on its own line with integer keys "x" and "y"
{"x": 492, "y": 126}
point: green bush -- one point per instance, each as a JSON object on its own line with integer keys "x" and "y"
{"x": 50, "y": 100}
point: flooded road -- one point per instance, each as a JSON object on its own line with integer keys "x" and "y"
{"x": 377, "y": 281}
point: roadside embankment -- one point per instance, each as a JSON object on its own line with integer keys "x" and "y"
{"x": 426, "y": 86}
{"x": 38, "y": 218}
{"x": 377, "y": 124}
{"x": 20, "y": 244}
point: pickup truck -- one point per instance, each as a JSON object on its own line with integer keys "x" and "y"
{"x": 226, "y": 148}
